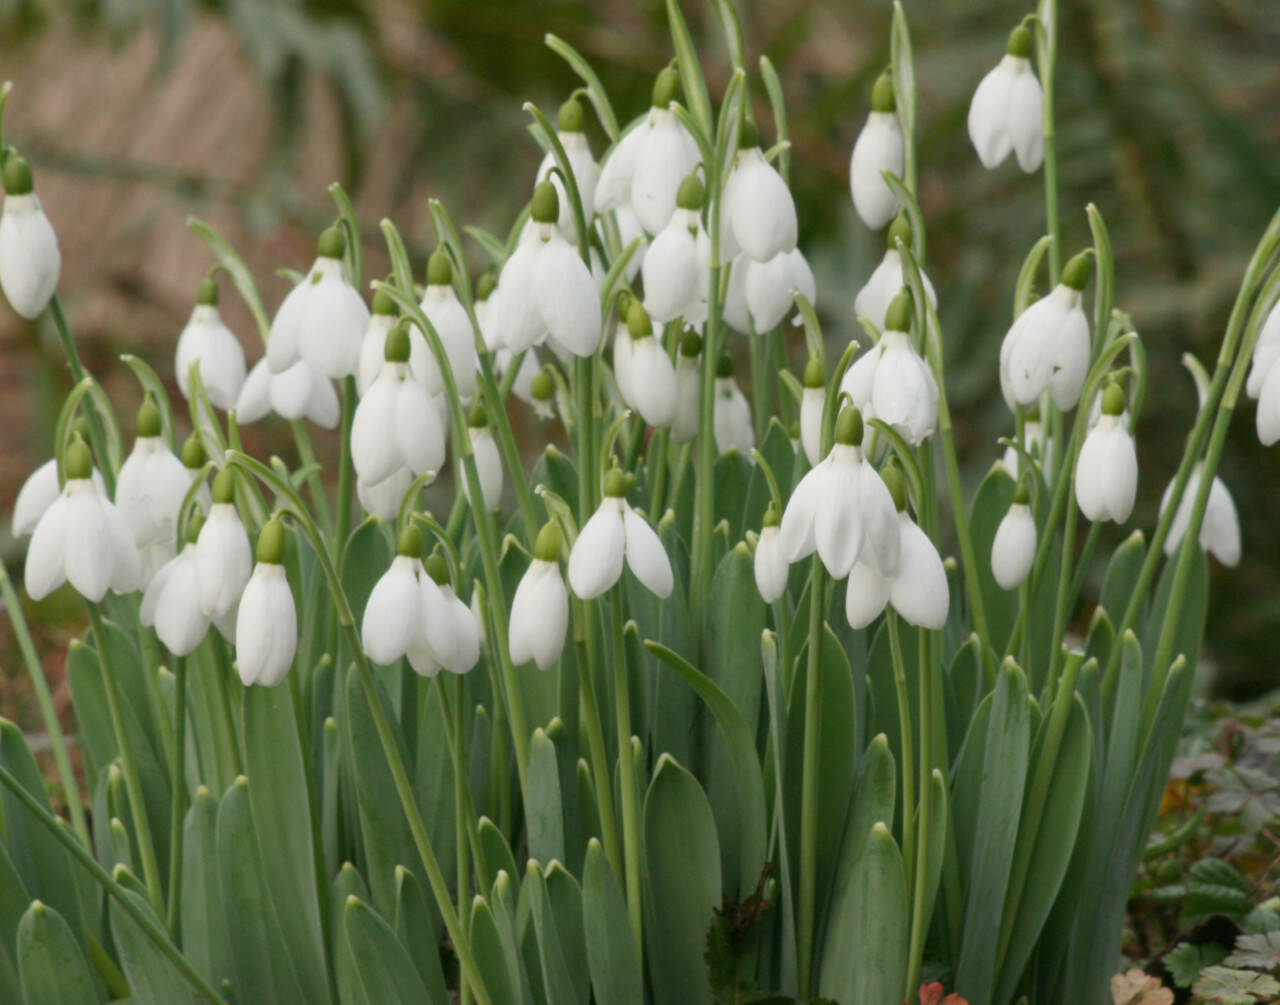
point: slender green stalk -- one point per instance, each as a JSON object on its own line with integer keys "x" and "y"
{"x": 908, "y": 745}
{"x": 97, "y": 438}
{"x": 660, "y": 447}
{"x": 114, "y": 890}
{"x": 495, "y": 405}
{"x": 1048, "y": 62}
{"x": 138, "y": 807}
{"x": 455, "y": 729}
{"x": 44, "y": 698}
{"x": 307, "y": 458}
{"x": 589, "y": 711}
{"x": 461, "y": 817}
{"x": 346, "y": 469}
{"x": 810, "y": 778}
{"x": 177, "y": 804}
{"x": 920, "y": 910}
{"x": 1062, "y": 604}
{"x": 627, "y": 776}
{"x": 759, "y": 382}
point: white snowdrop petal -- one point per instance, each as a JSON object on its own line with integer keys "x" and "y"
{"x": 989, "y": 115}
{"x": 88, "y": 561}
{"x": 466, "y": 649}
{"x": 283, "y": 341}
{"x": 904, "y": 393}
{"x": 126, "y": 562}
{"x": 880, "y": 519}
{"x": 566, "y": 298}
{"x": 812, "y": 403}
{"x": 866, "y": 594}
{"x": 224, "y": 558}
{"x": 652, "y": 382}
{"x": 859, "y": 381}
{"x": 838, "y": 524}
{"x": 45, "y": 570}
{"x": 613, "y": 185}
{"x": 332, "y": 322}
{"x": 1014, "y": 547}
{"x": 1267, "y": 418}
{"x": 595, "y": 563}
{"x": 254, "y": 401}
{"x": 645, "y": 554}
{"x": 670, "y": 272}
{"x": 879, "y": 148}
{"x": 322, "y": 405}
{"x": 373, "y": 347}
{"x": 760, "y": 208}
{"x": 732, "y": 419}
{"x": 770, "y": 566}
{"x": 418, "y": 431}
{"x": 623, "y": 352}
{"x": 1025, "y": 122}
{"x": 515, "y": 321}
{"x": 919, "y": 591}
{"x": 439, "y": 628}
{"x": 383, "y": 498}
{"x": 155, "y": 590}
{"x": 768, "y": 291}
{"x": 37, "y": 494}
{"x": 266, "y": 627}
{"x": 449, "y": 318}
{"x": 796, "y": 531}
{"x": 30, "y": 262}
{"x": 375, "y": 450}
{"x": 393, "y": 613}
{"x": 667, "y": 155}
{"x": 1220, "y": 533}
{"x": 290, "y": 391}
{"x": 179, "y": 621}
{"x": 1071, "y": 364}
{"x": 737, "y": 314}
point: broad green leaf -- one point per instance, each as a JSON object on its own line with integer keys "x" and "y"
{"x": 681, "y": 890}
{"x": 732, "y": 476}
{"x": 382, "y": 964}
{"x": 611, "y": 954}
{"x": 559, "y": 981}
{"x": 347, "y": 884}
{"x": 14, "y": 901}
{"x": 964, "y": 689}
{"x": 1185, "y": 961}
{"x": 546, "y": 817}
{"x": 365, "y": 558}
{"x": 987, "y": 510}
{"x": 433, "y": 779}
{"x": 153, "y": 978}
{"x": 416, "y": 930}
{"x": 1225, "y": 986}
{"x": 1190, "y": 619}
{"x": 492, "y": 957}
{"x": 52, "y": 966}
{"x": 564, "y": 896}
{"x": 497, "y": 853}
{"x": 205, "y": 934}
{"x": 1122, "y": 576}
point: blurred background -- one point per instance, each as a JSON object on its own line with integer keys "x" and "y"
{"x": 138, "y": 113}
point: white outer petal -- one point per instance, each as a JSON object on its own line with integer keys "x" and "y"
{"x": 1014, "y": 547}
{"x": 770, "y": 566}
{"x": 225, "y": 560}
{"x": 685, "y": 421}
{"x": 418, "y": 429}
{"x": 1268, "y": 414}
{"x": 514, "y": 318}
{"x": 768, "y": 289}
{"x": 1026, "y": 121}
{"x": 866, "y": 593}
{"x": 30, "y": 262}
{"x": 180, "y": 622}
{"x": 879, "y": 518}
{"x": 1107, "y": 472}
{"x": 879, "y": 148}
{"x": 449, "y": 318}
{"x": 383, "y": 498}
{"x": 760, "y": 208}
{"x": 266, "y": 627}
{"x": 613, "y": 185}
{"x": 595, "y": 563}
{"x": 566, "y": 296}
{"x": 1220, "y": 533}
{"x": 838, "y": 525}
{"x": 332, "y": 323}
{"x": 796, "y": 531}
{"x": 488, "y": 468}
{"x": 37, "y": 494}
{"x": 89, "y": 555}
{"x": 1071, "y": 364}
{"x": 989, "y": 114}
{"x": 904, "y": 393}
{"x": 373, "y": 350}
{"x": 737, "y": 314}
{"x": 466, "y": 650}
{"x": 393, "y": 615}
{"x": 284, "y": 339}
{"x": 919, "y": 589}
{"x": 667, "y": 155}
{"x": 322, "y": 406}
{"x": 811, "y": 404}
{"x": 46, "y": 555}
{"x": 645, "y": 554}
{"x": 732, "y": 418}
{"x": 375, "y": 450}
{"x": 859, "y": 380}
{"x": 254, "y": 401}
{"x": 670, "y": 271}
{"x": 651, "y": 382}
{"x": 539, "y": 616}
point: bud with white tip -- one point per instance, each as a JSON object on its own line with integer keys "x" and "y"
{"x": 449, "y": 318}
{"x": 770, "y": 565}
{"x": 267, "y": 619}
{"x": 428, "y": 653}
{"x": 223, "y": 554}
{"x": 616, "y": 533}
{"x": 650, "y": 383}
{"x": 1107, "y": 468}
{"x": 892, "y": 382}
{"x": 812, "y": 403}
{"x": 540, "y": 608}
{"x": 1006, "y": 114}
{"x": 1014, "y": 549}
{"x": 880, "y": 147}
{"x": 209, "y": 342}
{"x": 30, "y": 262}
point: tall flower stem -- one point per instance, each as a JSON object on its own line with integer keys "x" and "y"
{"x": 920, "y": 910}
{"x": 346, "y": 469}
{"x": 137, "y": 805}
{"x": 97, "y": 437}
{"x": 810, "y": 777}
{"x": 1048, "y": 62}
{"x": 177, "y": 800}
{"x": 627, "y": 775}
{"x": 307, "y": 459}
{"x": 907, "y": 746}
{"x": 589, "y": 710}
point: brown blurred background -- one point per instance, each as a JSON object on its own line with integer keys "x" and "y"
{"x": 138, "y": 113}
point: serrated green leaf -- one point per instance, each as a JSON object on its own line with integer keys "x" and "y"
{"x": 1225, "y": 986}
{"x": 1185, "y": 962}
{"x": 1259, "y": 951}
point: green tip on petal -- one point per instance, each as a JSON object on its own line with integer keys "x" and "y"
{"x": 666, "y": 87}
{"x": 615, "y": 484}
{"x": 194, "y": 526}
{"x": 748, "y": 136}
{"x": 691, "y": 344}
{"x": 331, "y": 244}
{"x": 207, "y": 294}
{"x": 478, "y": 418}
{"x": 771, "y": 517}
{"x": 411, "y": 543}
{"x": 1076, "y": 273}
{"x": 1019, "y": 43}
{"x": 437, "y": 568}
{"x": 149, "y": 418}
{"x": 571, "y": 118}
{"x": 193, "y": 455}
{"x": 899, "y": 230}
{"x": 897, "y": 486}
{"x": 396, "y": 347}
{"x": 724, "y": 367}
{"x": 383, "y": 303}
{"x": 815, "y": 374}
{"x": 542, "y": 387}
{"x": 17, "y": 177}
{"x": 439, "y": 269}
{"x": 638, "y": 323}
{"x": 546, "y": 203}
{"x": 78, "y": 462}
{"x": 485, "y": 286}
{"x": 1113, "y": 399}
{"x": 224, "y": 486}
{"x": 692, "y": 193}
{"x": 1022, "y": 494}
{"x": 270, "y": 550}
{"x": 81, "y": 428}
{"x": 882, "y": 99}
{"x": 849, "y": 428}
{"x": 550, "y": 543}
{"x": 623, "y": 302}
{"x": 898, "y": 316}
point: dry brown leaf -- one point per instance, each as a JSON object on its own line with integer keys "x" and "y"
{"x": 1138, "y": 988}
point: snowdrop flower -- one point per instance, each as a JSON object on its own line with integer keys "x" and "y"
{"x": 209, "y": 342}
{"x": 466, "y": 629}
{"x": 841, "y": 506}
{"x": 488, "y": 462}
{"x": 1220, "y": 529}
{"x": 373, "y": 346}
{"x": 30, "y": 262}
{"x": 397, "y": 424}
{"x": 38, "y": 493}
{"x": 322, "y": 320}
{"x": 150, "y": 488}
{"x": 545, "y": 289}
{"x": 1266, "y": 351}
{"x": 1047, "y": 348}
{"x": 614, "y": 533}
{"x": 569, "y": 131}
{"x": 812, "y": 403}
{"x": 758, "y": 209}
{"x": 770, "y": 566}
{"x": 892, "y": 383}
{"x": 297, "y": 393}
{"x": 737, "y": 313}
{"x": 879, "y": 148}
{"x": 82, "y": 539}
{"x": 732, "y": 413}
{"x": 888, "y": 279}
{"x": 540, "y": 608}
{"x": 267, "y": 620}
{"x": 1006, "y": 112}
{"x": 1014, "y": 547}
{"x": 224, "y": 558}
{"x": 172, "y": 600}
{"x": 676, "y": 267}
{"x": 449, "y": 318}
{"x": 383, "y": 498}
{"x": 1107, "y": 468}
{"x": 770, "y": 288}
{"x": 649, "y": 384}
{"x": 917, "y": 586}
{"x": 649, "y": 162}
{"x": 687, "y": 417}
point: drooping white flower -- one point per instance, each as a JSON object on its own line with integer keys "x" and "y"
{"x": 569, "y": 131}
{"x": 731, "y": 413}
{"x": 770, "y": 564}
{"x": 223, "y": 555}
{"x": 687, "y": 416}
{"x": 1047, "y": 348}
{"x": 812, "y": 403}
{"x": 81, "y": 538}
{"x": 322, "y": 320}
{"x": 622, "y": 351}
{"x": 297, "y": 393}
{"x": 757, "y": 205}
{"x": 407, "y": 615}
{"x": 488, "y": 461}
{"x": 648, "y": 164}
{"x": 1006, "y": 113}
{"x": 879, "y": 148}
{"x": 1014, "y": 548}
{"x": 616, "y": 533}
{"x": 737, "y": 314}
{"x": 888, "y": 278}
{"x": 384, "y": 498}
{"x": 30, "y": 262}
{"x": 840, "y": 506}
{"x": 1267, "y": 418}
{"x": 449, "y": 318}
{"x": 373, "y": 345}
{"x": 892, "y": 383}
{"x": 396, "y": 424}
{"x": 172, "y": 600}
{"x": 1107, "y": 468}
{"x": 676, "y": 267}
{"x": 771, "y": 286}
{"x": 209, "y": 342}
{"x": 540, "y": 608}
{"x": 267, "y": 619}
{"x": 648, "y": 381}
{"x": 1220, "y": 529}
{"x": 545, "y": 290}
{"x": 38, "y": 493}
{"x": 1266, "y": 351}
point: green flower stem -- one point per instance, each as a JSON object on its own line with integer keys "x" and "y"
{"x": 1048, "y": 61}
{"x": 660, "y": 447}
{"x": 229, "y": 753}
{"x": 307, "y": 459}
{"x": 495, "y": 399}
{"x": 810, "y": 778}
{"x": 627, "y": 775}
{"x": 144, "y": 920}
{"x": 346, "y": 469}
{"x": 1062, "y": 604}
{"x": 455, "y": 729}
{"x": 464, "y": 816}
{"x": 177, "y": 800}
{"x": 44, "y": 698}
{"x": 921, "y": 911}
{"x": 97, "y": 438}
{"x": 778, "y": 355}
{"x": 759, "y": 382}
{"x": 908, "y": 744}
{"x": 138, "y": 807}
{"x": 583, "y": 430}
{"x": 589, "y": 711}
